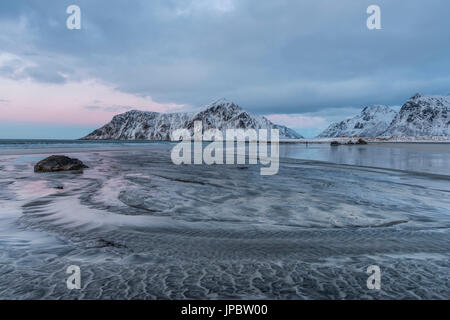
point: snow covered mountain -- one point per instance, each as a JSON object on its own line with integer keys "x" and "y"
{"x": 221, "y": 114}
{"x": 422, "y": 116}
{"x": 371, "y": 122}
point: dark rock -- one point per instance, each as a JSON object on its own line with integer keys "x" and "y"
{"x": 59, "y": 163}
{"x": 335, "y": 143}
{"x": 102, "y": 243}
{"x": 416, "y": 96}
{"x": 361, "y": 141}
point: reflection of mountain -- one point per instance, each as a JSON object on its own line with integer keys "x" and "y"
{"x": 221, "y": 114}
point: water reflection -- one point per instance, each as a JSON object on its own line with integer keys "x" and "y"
{"x": 429, "y": 158}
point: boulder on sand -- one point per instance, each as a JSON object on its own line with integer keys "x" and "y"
{"x": 58, "y": 163}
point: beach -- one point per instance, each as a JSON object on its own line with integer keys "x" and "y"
{"x": 140, "y": 227}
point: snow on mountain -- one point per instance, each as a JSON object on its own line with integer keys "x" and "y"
{"x": 371, "y": 122}
{"x": 221, "y": 114}
{"x": 422, "y": 116}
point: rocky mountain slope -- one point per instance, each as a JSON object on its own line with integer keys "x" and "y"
{"x": 422, "y": 116}
{"x": 371, "y": 122}
{"x": 221, "y": 114}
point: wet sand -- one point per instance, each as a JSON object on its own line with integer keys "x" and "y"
{"x": 142, "y": 228}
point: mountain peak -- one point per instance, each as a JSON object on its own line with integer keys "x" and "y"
{"x": 376, "y": 108}
{"x": 422, "y": 116}
{"x": 416, "y": 96}
{"x": 370, "y": 122}
{"x": 223, "y": 103}
{"x": 221, "y": 114}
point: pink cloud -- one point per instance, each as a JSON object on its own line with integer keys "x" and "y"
{"x": 88, "y": 102}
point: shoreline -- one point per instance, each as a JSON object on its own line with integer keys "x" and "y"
{"x": 432, "y": 140}
{"x": 437, "y": 140}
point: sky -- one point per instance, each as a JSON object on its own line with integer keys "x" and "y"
{"x": 301, "y": 63}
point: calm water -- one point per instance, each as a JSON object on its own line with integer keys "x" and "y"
{"x": 141, "y": 227}
{"x": 420, "y": 157}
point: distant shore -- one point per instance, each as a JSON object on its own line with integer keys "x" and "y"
{"x": 343, "y": 140}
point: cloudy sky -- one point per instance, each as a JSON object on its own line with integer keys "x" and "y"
{"x": 302, "y": 63}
